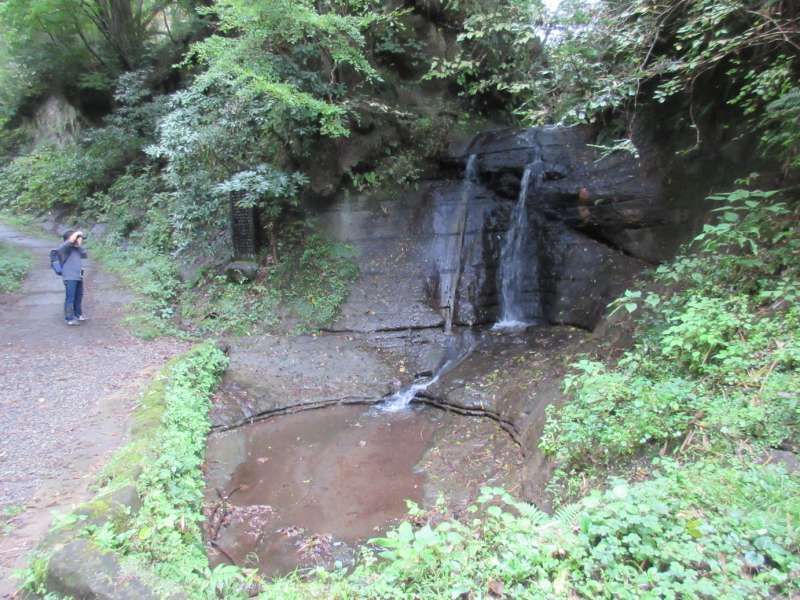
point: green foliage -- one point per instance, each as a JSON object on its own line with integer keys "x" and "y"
{"x": 14, "y": 265}
{"x": 717, "y": 363}
{"x": 782, "y": 131}
{"x": 68, "y": 175}
{"x": 397, "y": 170}
{"x": 315, "y": 280}
{"x": 217, "y": 144}
{"x": 78, "y": 45}
{"x": 308, "y": 285}
{"x": 32, "y": 578}
{"x": 166, "y": 531}
{"x": 123, "y": 467}
{"x": 587, "y": 62}
{"x": 7, "y": 515}
{"x": 221, "y": 306}
{"x": 404, "y": 160}
{"x": 154, "y": 278}
{"x": 171, "y": 486}
{"x": 569, "y": 65}
{"x": 391, "y": 38}
{"x": 261, "y": 186}
{"x": 498, "y": 48}
{"x": 703, "y": 531}
{"x": 323, "y": 39}
{"x": 46, "y": 178}
{"x": 270, "y": 83}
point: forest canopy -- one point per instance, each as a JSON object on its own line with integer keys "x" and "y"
{"x": 183, "y": 103}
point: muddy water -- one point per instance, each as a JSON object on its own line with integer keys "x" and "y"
{"x": 305, "y": 488}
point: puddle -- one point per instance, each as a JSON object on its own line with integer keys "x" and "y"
{"x": 306, "y": 488}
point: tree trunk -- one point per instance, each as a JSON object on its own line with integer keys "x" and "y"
{"x": 124, "y": 32}
{"x": 124, "y": 25}
{"x": 273, "y": 242}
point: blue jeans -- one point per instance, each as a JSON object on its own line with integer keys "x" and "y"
{"x": 72, "y": 302}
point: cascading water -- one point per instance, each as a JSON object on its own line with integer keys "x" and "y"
{"x": 515, "y": 264}
{"x": 449, "y": 284}
{"x": 457, "y": 351}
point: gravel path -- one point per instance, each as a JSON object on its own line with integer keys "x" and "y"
{"x": 66, "y": 394}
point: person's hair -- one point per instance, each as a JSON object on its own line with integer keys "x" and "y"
{"x": 67, "y": 234}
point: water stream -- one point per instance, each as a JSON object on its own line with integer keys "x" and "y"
{"x": 517, "y": 265}
{"x": 458, "y": 349}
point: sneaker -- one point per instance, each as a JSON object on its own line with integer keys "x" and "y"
{"x": 72, "y": 322}
{"x": 81, "y": 318}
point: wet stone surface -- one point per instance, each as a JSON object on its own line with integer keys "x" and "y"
{"x": 272, "y": 373}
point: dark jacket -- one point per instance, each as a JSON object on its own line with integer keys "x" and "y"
{"x": 71, "y": 265}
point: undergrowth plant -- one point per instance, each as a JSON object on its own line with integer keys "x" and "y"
{"x": 717, "y": 365}
{"x": 154, "y": 278}
{"x": 166, "y": 532}
{"x": 315, "y": 280}
{"x": 14, "y": 265}
{"x": 307, "y": 286}
{"x": 704, "y": 531}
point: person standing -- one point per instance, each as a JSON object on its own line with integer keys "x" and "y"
{"x": 71, "y": 254}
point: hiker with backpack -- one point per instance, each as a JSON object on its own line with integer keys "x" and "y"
{"x": 67, "y": 261}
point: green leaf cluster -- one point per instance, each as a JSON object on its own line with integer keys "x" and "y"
{"x": 14, "y": 265}
{"x": 166, "y": 532}
{"x": 717, "y": 365}
{"x": 290, "y": 51}
{"x": 307, "y": 286}
{"x": 595, "y": 61}
{"x": 78, "y": 174}
{"x": 706, "y": 530}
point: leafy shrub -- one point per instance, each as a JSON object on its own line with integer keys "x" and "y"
{"x": 702, "y": 531}
{"x": 154, "y": 278}
{"x": 48, "y": 177}
{"x": 706, "y": 330}
{"x": 167, "y": 527}
{"x": 782, "y": 134}
{"x": 315, "y": 279}
{"x": 614, "y": 413}
{"x": 14, "y": 265}
{"x": 717, "y": 366}
{"x": 69, "y": 175}
{"x": 309, "y": 283}
{"x": 222, "y": 306}
{"x": 124, "y": 204}
{"x": 166, "y": 531}
{"x": 207, "y": 140}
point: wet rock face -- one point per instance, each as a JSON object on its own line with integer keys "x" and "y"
{"x": 618, "y": 199}
{"x": 594, "y": 222}
{"x": 55, "y": 121}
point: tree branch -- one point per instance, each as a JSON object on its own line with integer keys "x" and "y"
{"x": 86, "y": 43}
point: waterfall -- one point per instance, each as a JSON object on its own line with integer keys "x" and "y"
{"x": 449, "y": 283}
{"x": 515, "y": 266}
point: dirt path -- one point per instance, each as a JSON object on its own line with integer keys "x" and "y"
{"x": 66, "y": 394}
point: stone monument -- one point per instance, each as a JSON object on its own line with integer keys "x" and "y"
{"x": 244, "y": 237}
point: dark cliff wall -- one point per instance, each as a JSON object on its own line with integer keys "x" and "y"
{"x": 595, "y": 221}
